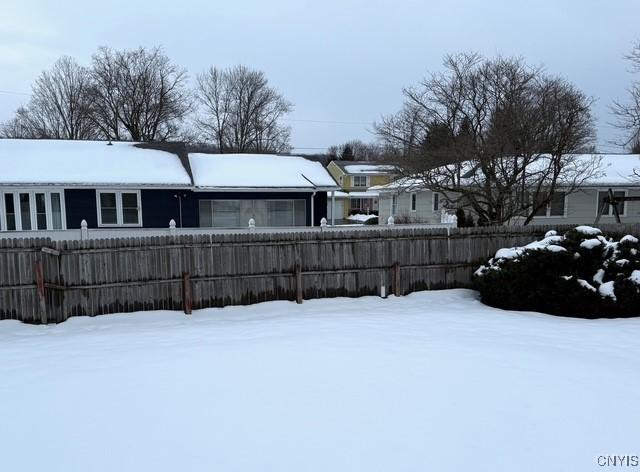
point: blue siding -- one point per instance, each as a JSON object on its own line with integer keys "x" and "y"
{"x": 80, "y": 204}
{"x": 160, "y": 206}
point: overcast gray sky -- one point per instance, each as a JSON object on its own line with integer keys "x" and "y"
{"x": 339, "y": 61}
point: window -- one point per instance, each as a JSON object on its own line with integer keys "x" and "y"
{"x": 394, "y": 204}
{"x": 25, "y": 211}
{"x": 130, "y": 213}
{"x": 10, "y": 212}
{"x": 413, "y": 200}
{"x": 41, "y": 211}
{"x": 360, "y": 181}
{"x": 56, "y": 211}
{"x": 436, "y": 201}
{"x": 267, "y": 213}
{"x": 555, "y": 207}
{"x": 31, "y": 210}
{"x": 604, "y": 195}
{"x": 119, "y": 208}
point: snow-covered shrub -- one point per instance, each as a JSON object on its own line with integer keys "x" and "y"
{"x": 582, "y": 273}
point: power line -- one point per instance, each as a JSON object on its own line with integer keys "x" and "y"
{"x": 328, "y": 121}
{"x": 9, "y": 92}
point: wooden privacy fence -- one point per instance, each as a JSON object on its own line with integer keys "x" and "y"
{"x": 43, "y": 281}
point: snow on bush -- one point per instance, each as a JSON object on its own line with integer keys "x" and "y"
{"x": 581, "y": 273}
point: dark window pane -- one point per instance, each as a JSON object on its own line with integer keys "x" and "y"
{"x": 436, "y": 202}
{"x": 622, "y": 206}
{"x": 300, "y": 210}
{"x": 129, "y": 200}
{"x": 25, "y": 211}
{"x": 41, "y": 212}
{"x": 205, "y": 214}
{"x": 56, "y": 211}
{"x": 109, "y": 216}
{"x": 10, "y": 211}
{"x": 130, "y": 216}
{"x": 556, "y": 205}
{"x": 108, "y": 200}
{"x": 226, "y": 214}
{"x": 540, "y": 205}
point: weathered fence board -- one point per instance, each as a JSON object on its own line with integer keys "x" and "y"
{"x": 95, "y": 277}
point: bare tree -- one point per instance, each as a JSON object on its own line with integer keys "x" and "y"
{"x": 356, "y": 150}
{"x": 59, "y": 107}
{"x": 496, "y": 136}
{"x": 239, "y": 111}
{"x": 628, "y": 113}
{"x": 138, "y": 94}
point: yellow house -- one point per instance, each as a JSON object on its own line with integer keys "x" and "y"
{"x": 355, "y": 178}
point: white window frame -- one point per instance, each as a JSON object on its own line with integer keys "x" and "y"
{"x": 32, "y": 209}
{"x": 547, "y": 213}
{"x": 119, "y": 212}
{"x": 413, "y": 202}
{"x": 610, "y": 212}
{"x": 366, "y": 181}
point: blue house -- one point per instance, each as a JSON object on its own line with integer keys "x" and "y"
{"x": 55, "y": 184}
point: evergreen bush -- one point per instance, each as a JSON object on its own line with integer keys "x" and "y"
{"x": 582, "y": 274}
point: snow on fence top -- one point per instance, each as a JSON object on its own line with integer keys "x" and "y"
{"x": 255, "y": 171}
{"x": 47, "y": 161}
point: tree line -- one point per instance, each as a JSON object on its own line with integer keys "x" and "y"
{"x": 141, "y": 95}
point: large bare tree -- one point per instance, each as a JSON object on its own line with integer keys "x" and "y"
{"x": 138, "y": 94}
{"x": 628, "y": 112}
{"x": 493, "y": 135}
{"x": 59, "y": 107}
{"x": 240, "y": 112}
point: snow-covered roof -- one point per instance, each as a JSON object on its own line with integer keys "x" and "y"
{"x": 87, "y": 163}
{"x": 612, "y": 170}
{"x": 368, "y": 169}
{"x": 258, "y": 171}
{"x": 368, "y": 194}
{"x": 615, "y": 169}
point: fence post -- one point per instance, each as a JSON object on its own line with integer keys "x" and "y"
{"x": 187, "y": 301}
{"x": 84, "y": 230}
{"x": 42, "y": 301}
{"x": 298, "y": 282}
{"x": 172, "y": 226}
{"x": 391, "y": 221}
{"x": 396, "y": 279}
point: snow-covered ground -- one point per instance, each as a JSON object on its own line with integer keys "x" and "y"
{"x": 431, "y": 381}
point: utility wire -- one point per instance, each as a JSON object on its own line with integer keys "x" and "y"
{"x": 9, "y": 92}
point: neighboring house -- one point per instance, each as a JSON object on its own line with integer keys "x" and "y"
{"x": 407, "y": 199}
{"x": 355, "y": 179}
{"x": 55, "y": 184}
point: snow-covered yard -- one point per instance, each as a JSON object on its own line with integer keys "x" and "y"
{"x": 431, "y": 381}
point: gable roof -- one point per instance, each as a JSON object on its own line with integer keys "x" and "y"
{"x": 364, "y": 167}
{"x": 258, "y": 171}
{"x": 614, "y": 170}
{"x": 87, "y": 163}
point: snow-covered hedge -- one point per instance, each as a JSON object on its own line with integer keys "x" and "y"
{"x": 582, "y": 273}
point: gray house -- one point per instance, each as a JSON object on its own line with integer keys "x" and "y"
{"x": 408, "y": 200}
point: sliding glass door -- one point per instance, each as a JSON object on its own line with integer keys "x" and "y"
{"x": 265, "y": 213}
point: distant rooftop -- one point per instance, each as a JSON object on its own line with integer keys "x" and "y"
{"x": 364, "y": 167}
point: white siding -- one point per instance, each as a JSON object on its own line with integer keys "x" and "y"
{"x": 424, "y": 207}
